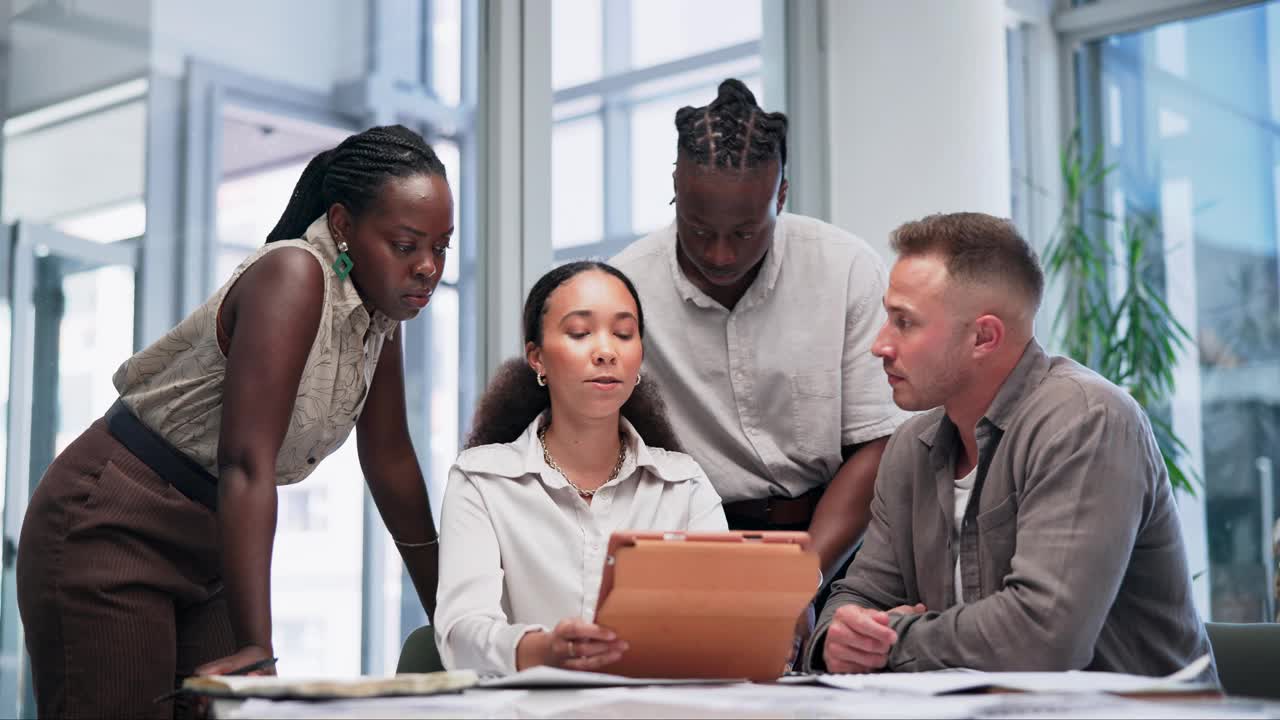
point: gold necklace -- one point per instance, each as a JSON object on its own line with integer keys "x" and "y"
{"x": 551, "y": 463}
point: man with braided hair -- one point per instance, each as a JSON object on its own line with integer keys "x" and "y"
{"x": 145, "y": 554}
{"x": 762, "y": 324}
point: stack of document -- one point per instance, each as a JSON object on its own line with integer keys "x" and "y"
{"x": 549, "y": 677}
{"x": 945, "y": 682}
{"x": 278, "y": 688}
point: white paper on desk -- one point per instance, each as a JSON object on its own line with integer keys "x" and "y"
{"x": 271, "y": 686}
{"x": 771, "y": 700}
{"x": 549, "y": 677}
{"x": 943, "y": 682}
{"x": 1080, "y": 706}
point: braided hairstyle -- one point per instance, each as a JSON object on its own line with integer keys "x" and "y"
{"x": 352, "y": 174}
{"x": 732, "y": 132}
{"x": 514, "y": 398}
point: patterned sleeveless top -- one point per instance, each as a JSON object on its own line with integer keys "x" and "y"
{"x": 175, "y": 386}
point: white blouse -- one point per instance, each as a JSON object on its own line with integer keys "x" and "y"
{"x": 520, "y": 550}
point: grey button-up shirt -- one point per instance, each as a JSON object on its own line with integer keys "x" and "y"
{"x": 764, "y": 395}
{"x": 1070, "y": 549}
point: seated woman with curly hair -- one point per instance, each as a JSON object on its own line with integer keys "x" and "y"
{"x": 568, "y": 445}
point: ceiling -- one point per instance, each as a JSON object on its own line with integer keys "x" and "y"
{"x": 253, "y": 140}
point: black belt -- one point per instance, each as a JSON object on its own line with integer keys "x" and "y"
{"x": 167, "y": 461}
{"x": 770, "y": 511}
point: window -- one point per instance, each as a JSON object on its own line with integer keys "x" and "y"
{"x": 208, "y": 167}
{"x": 1019, "y": 152}
{"x": 617, "y": 85}
{"x": 302, "y": 509}
{"x": 250, "y": 202}
{"x": 1187, "y": 111}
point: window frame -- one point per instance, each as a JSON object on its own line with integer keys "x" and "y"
{"x": 1054, "y": 36}
{"x": 615, "y": 89}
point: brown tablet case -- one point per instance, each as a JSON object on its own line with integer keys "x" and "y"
{"x": 706, "y": 605}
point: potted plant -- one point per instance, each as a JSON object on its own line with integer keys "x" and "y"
{"x": 1129, "y": 337}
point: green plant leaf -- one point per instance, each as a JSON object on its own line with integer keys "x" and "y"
{"x": 1133, "y": 339}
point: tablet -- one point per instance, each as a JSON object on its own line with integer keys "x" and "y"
{"x": 706, "y": 605}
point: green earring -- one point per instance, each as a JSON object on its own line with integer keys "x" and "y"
{"x": 342, "y": 266}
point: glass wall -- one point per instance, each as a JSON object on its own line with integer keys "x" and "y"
{"x": 620, "y": 70}
{"x": 1189, "y": 113}
{"x": 97, "y": 97}
{"x": 73, "y": 124}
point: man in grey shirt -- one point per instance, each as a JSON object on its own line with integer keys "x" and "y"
{"x": 1066, "y": 551}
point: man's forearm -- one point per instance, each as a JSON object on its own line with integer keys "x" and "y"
{"x": 844, "y": 512}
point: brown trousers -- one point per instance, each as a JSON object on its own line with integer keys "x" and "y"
{"x": 118, "y": 585}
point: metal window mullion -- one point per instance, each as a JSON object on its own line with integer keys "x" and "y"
{"x": 426, "y": 46}
{"x": 808, "y": 159}
{"x": 1018, "y": 122}
{"x": 615, "y": 118}
{"x": 631, "y": 78}
{"x": 202, "y": 172}
{"x": 775, "y": 44}
{"x": 513, "y": 126}
{"x": 615, "y": 33}
{"x": 1097, "y": 20}
{"x": 6, "y": 51}
{"x": 470, "y": 361}
{"x": 467, "y": 187}
{"x": 469, "y": 22}
{"x": 160, "y": 294}
{"x": 17, "y": 488}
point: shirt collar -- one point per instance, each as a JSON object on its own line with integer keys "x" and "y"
{"x": 1031, "y": 369}
{"x": 760, "y": 287}
{"x": 528, "y": 459}
{"x": 347, "y": 303}
{"x": 941, "y": 434}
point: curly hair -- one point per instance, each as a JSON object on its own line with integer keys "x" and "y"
{"x": 513, "y": 398}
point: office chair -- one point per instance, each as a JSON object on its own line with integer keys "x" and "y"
{"x": 420, "y": 654}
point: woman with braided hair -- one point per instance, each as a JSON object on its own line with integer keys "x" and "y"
{"x": 145, "y": 555}
{"x": 761, "y": 331}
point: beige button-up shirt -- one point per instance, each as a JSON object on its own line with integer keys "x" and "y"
{"x": 1071, "y": 554}
{"x": 520, "y": 550}
{"x": 765, "y": 395}
{"x": 175, "y": 386}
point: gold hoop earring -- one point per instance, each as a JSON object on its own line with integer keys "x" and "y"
{"x": 542, "y": 379}
{"x": 637, "y": 378}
